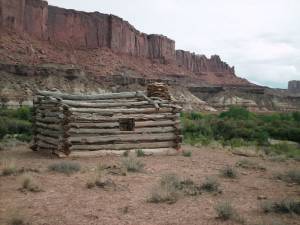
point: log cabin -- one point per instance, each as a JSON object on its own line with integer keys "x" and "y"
{"x": 71, "y": 125}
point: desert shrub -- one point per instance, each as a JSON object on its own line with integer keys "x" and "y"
{"x": 126, "y": 153}
{"x": 277, "y": 158}
{"x": 8, "y": 168}
{"x": 65, "y": 167}
{"x": 229, "y": 172}
{"x": 284, "y": 206}
{"x": 166, "y": 191}
{"x": 210, "y": 184}
{"x": 17, "y": 219}
{"x": 291, "y": 176}
{"x": 171, "y": 187}
{"x": 225, "y": 211}
{"x": 237, "y": 113}
{"x": 247, "y": 164}
{"x": 28, "y": 184}
{"x": 187, "y": 153}
{"x": 16, "y": 121}
{"x": 14, "y": 126}
{"x": 285, "y": 149}
{"x": 140, "y": 153}
{"x": 132, "y": 164}
{"x": 239, "y": 127}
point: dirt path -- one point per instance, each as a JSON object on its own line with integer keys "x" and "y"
{"x": 67, "y": 201}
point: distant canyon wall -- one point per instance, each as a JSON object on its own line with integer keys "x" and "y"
{"x": 81, "y": 30}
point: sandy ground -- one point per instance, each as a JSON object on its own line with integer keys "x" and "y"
{"x": 67, "y": 201}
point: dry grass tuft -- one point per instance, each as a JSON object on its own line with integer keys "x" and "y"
{"x": 283, "y": 207}
{"x": 132, "y": 164}
{"x": 229, "y": 172}
{"x": 65, "y": 167}
{"x": 29, "y": 184}
{"x": 171, "y": 187}
{"x": 247, "y": 164}
{"x": 211, "y": 184}
{"x": 291, "y": 176}
{"x": 8, "y": 168}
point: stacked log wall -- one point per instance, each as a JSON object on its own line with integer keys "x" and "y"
{"x": 92, "y": 123}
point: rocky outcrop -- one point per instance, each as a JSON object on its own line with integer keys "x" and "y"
{"x": 294, "y": 87}
{"x": 81, "y": 30}
{"x": 25, "y": 15}
{"x": 199, "y": 64}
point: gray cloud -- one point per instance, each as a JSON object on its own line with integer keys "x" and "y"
{"x": 261, "y": 38}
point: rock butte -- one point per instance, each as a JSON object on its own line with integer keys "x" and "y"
{"x": 81, "y": 30}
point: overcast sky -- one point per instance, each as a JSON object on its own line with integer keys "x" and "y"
{"x": 261, "y": 38}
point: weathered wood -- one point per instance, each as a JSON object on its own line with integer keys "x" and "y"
{"x": 124, "y": 111}
{"x": 74, "y": 131}
{"x": 91, "y": 97}
{"x": 50, "y": 133}
{"x": 77, "y": 104}
{"x": 46, "y": 145}
{"x": 93, "y": 117}
{"x": 47, "y": 120}
{"x": 93, "y": 154}
{"x": 141, "y": 124}
{"x": 87, "y": 154}
{"x": 48, "y": 126}
{"x": 125, "y": 146}
{"x": 49, "y": 140}
{"x": 122, "y": 138}
{"x": 43, "y": 114}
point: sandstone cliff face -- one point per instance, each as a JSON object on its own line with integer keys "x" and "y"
{"x": 200, "y": 64}
{"x": 86, "y": 31}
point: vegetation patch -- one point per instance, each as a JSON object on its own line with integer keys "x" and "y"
{"x": 132, "y": 164}
{"x": 229, "y": 172}
{"x": 211, "y": 184}
{"x": 225, "y": 211}
{"x": 186, "y": 153}
{"x": 140, "y": 153}
{"x": 171, "y": 187}
{"x": 238, "y": 127}
{"x": 17, "y": 219}
{"x": 283, "y": 207}
{"x": 291, "y": 176}
{"x": 247, "y": 164}
{"x": 16, "y": 122}
{"x": 8, "y": 168}
{"x": 65, "y": 167}
{"x": 29, "y": 184}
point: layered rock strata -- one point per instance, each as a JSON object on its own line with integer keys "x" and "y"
{"x": 81, "y": 30}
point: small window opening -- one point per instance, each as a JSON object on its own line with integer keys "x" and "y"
{"x": 127, "y": 124}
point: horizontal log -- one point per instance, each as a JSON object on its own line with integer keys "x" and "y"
{"x": 163, "y": 123}
{"x": 115, "y": 139}
{"x": 79, "y": 104}
{"x": 48, "y": 120}
{"x": 125, "y": 111}
{"x": 49, "y": 109}
{"x": 74, "y": 131}
{"x": 48, "y": 126}
{"x": 167, "y": 144}
{"x": 93, "y": 117}
{"x": 42, "y": 144}
{"x": 91, "y": 97}
{"x": 87, "y": 154}
{"x": 49, "y": 140}
{"x": 47, "y": 114}
{"x": 49, "y": 133}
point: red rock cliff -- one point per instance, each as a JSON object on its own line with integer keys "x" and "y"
{"x": 81, "y": 30}
{"x": 200, "y": 64}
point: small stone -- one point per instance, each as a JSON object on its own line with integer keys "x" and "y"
{"x": 262, "y": 197}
